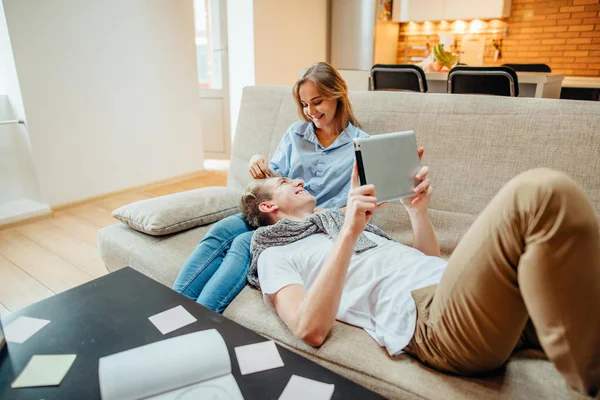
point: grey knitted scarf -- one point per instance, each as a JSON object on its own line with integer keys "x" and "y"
{"x": 285, "y": 232}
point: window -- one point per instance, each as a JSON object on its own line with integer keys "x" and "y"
{"x": 208, "y": 44}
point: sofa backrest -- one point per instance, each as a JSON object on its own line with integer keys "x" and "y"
{"x": 474, "y": 144}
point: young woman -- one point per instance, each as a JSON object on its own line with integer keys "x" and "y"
{"x": 318, "y": 150}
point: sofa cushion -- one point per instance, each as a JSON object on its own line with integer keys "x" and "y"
{"x": 159, "y": 257}
{"x": 179, "y": 211}
{"x": 351, "y": 352}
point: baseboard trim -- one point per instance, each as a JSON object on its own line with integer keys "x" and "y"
{"x": 152, "y": 185}
{"x": 66, "y": 206}
{"x": 15, "y": 212}
{"x": 216, "y": 156}
{"x": 26, "y": 221}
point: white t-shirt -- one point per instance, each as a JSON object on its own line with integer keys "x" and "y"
{"x": 377, "y": 293}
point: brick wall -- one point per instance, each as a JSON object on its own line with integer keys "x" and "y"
{"x": 565, "y": 34}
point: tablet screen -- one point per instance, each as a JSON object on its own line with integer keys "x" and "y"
{"x": 390, "y": 162}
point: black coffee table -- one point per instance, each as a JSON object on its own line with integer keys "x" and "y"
{"x": 110, "y": 314}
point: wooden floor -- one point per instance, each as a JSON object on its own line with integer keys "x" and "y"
{"x": 55, "y": 254}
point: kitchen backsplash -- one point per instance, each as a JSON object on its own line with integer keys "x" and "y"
{"x": 565, "y": 34}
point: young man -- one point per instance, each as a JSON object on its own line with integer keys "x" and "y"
{"x": 533, "y": 255}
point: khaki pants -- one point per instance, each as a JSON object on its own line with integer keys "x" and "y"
{"x": 533, "y": 255}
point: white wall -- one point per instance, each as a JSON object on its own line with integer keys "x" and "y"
{"x": 240, "y": 38}
{"x": 9, "y": 83}
{"x": 17, "y": 176}
{"x": 5, "y": 51}
{"x": 11, "y": 179}
{"x": 109, "y": 89}
{"x": 288, "y": 36}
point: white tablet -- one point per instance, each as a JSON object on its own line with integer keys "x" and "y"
{"x": 390, "y": 162}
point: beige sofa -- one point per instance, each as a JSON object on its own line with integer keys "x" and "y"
{"x": 473, "y": 144}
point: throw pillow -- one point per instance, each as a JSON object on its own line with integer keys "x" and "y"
{"x": 179, "y": 211}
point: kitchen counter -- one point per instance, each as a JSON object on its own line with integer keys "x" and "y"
{"x": 531, "y": 84}
{"x": 583, "y": 82}
{"x": 524, "y": 77}
{"x": 581, "y": 88}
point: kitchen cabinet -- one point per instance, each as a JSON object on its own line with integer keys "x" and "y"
{"x": 417, "y": 10}
{"x": 476, "y": 9}
{"x": 449, "y": 10}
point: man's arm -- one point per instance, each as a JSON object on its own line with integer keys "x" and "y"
{"x": 424, "y": 238}
{"x": 310, "y": 314}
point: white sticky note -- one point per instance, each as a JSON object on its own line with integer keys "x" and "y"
{"x": 299, "y": 388}
{"x": 44, "y": 370}
{"x": 172, "y": 319}
{"x": 23, "y": 328}
{"x": 258, "y": 357}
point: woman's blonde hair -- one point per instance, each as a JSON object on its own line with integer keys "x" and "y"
{"x": 330, "y": 85}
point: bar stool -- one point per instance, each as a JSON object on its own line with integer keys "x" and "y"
{"x": 498, "y": 81}
{"x": 398, "y": 77}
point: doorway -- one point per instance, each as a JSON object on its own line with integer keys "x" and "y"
{"x": 213, "y": 76}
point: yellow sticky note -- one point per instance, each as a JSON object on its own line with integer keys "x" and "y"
{"x": 44, "y": 370}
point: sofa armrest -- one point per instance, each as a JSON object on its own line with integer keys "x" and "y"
{"x": 179, "y": 211}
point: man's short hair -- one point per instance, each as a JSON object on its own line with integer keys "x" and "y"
{"x": 250, "y": 202}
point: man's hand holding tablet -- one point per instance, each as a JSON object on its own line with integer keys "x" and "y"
{"x": 391, "y": 162}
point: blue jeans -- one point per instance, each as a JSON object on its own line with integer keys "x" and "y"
{"x": 216, "y": 270}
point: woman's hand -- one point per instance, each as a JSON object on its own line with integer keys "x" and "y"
{"x": 258, "y": 167}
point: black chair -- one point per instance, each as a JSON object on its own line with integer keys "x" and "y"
{"x": 498, "y": 81}
{"x": 529, "y": 67}
{"x": 398, "y": 77}
{"x": 586, "y": 94}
